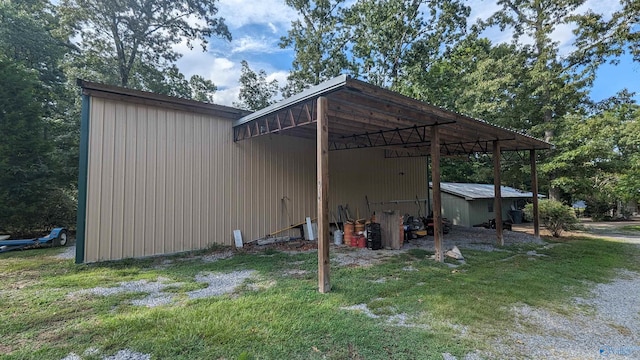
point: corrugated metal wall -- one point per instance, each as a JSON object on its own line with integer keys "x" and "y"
{"x": 354, "y": 174}
{"x": 163, "y": 181}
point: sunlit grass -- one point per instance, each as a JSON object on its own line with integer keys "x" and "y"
{"x": 631, "y": 228}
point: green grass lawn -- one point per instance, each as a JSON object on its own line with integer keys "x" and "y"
{"x": 283, "y": 316}
{"x": 633, "y": 228}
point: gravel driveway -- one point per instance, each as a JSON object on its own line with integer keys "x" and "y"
{"x": 605, "y": 325}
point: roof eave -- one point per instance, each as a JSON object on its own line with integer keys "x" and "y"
{"x": 312, "y": 92}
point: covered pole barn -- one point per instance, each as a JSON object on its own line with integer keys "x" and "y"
{"x": 162, "y": 175}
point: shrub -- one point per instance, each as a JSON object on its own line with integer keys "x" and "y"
{"x": 554, "y": 215}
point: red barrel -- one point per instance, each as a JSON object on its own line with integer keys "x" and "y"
{"x": 361, "y": 241}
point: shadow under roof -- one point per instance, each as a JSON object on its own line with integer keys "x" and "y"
{"x": 362, "y": 115}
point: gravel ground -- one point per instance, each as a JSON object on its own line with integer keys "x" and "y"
{"x": 608, "y": 326}
{"x": 217, "y": 284}
{"x": 462, "y": 237}
{"x": 401, "y": 319}
{"x": 68, "y": 253}
{"x": 125, "y": 354}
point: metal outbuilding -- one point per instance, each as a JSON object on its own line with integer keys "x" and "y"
{"x": 161, "y": 175}
{"x": 468, "y": 204}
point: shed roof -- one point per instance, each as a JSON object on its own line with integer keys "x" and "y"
{"x": 363, "y": 115}
{"x": 471, "y": 191}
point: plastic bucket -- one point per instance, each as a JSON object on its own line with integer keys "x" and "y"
{"x": 337, "y": 237}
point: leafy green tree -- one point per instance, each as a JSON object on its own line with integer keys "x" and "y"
{"x": 597, "y": 158}
{"x": 30, "y": 38}
{"x": 130, "y": 42}
{"x": 387, "y": 37}
{"x": 25, "y": 163}
{"x": 599, "y": 40}
{"x": 318, "y": 41}
{"x": 255, "y": 91}
{"x": 27, "y": 35}
{"x": 556, "y": 88}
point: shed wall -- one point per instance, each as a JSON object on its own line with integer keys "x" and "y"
{"x": 479, "y": 213}
{"x": 164, "y": 181}
{"x": 456, "y": 209}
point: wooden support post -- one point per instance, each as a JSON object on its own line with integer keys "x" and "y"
{"x": 534, "y": 190}
{"x": 497, "y": 200}
{"x": 437, "y": 199}
{"x": 322, "y": 154}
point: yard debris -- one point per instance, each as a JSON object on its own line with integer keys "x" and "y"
{"x": 273, "y": 240}
{"x": 237, "y": 238}
{"x": 454, "y": 253}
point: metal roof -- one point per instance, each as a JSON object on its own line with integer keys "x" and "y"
{"x": 147, "y": 98}
{"x": 363, "y": 115}
{"x": 471, "y": 191}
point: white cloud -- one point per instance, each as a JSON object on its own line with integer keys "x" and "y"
{"x": 255, "y": 45}
{"x": 481, "y": 10}
{"x": 226, "y": 96}
{"x": 280, "y": 76}
{"x": 274, "y": 29}
{"x": 239, "y": 13}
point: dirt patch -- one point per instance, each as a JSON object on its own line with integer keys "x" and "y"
{"x": 5, "y": 349}
{"x": 400, "y": 319}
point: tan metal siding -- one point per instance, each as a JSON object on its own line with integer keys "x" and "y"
{"x": 354, "y": 174}
{"x": 164, "y": 181}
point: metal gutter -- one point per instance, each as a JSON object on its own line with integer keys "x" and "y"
{"x": 312, "y": 92}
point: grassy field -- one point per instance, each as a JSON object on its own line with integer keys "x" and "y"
{"x": 633, "y": 228}
{"x": 423, "y": 308}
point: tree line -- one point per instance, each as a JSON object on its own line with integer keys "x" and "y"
{"x": 433, "y": 51}
{"x": 428, "y": 50}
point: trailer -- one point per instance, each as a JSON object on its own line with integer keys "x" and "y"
{"x": 57, "y": 237}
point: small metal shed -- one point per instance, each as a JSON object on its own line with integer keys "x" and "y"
{"x": 468, "y": 204}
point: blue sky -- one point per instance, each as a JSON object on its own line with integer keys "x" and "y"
{"x": 256, "y": 27}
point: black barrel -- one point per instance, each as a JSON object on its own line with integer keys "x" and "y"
{"x": 374, "y": 236}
